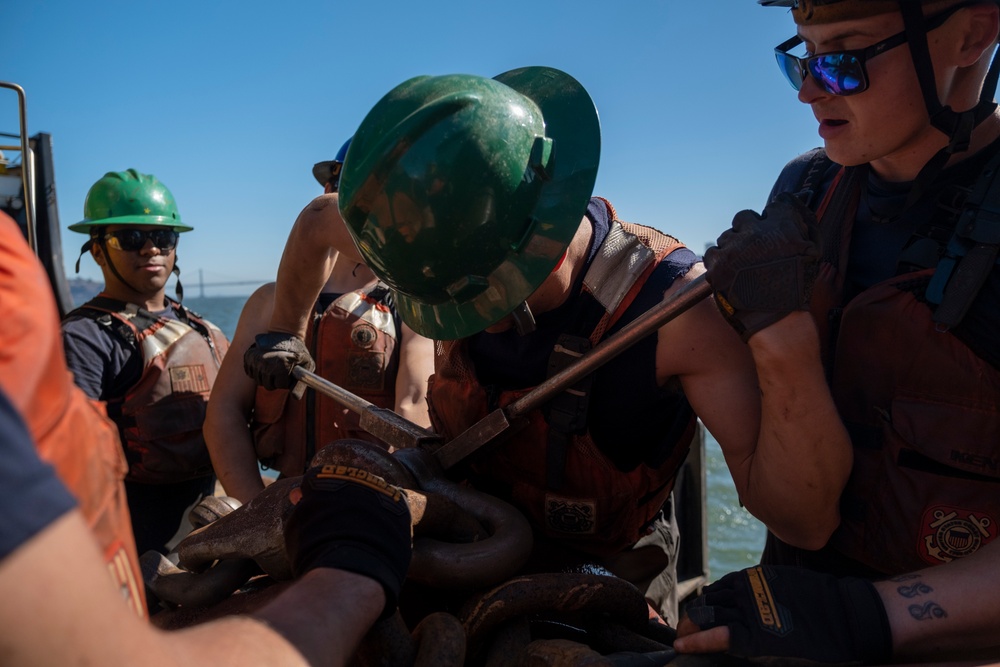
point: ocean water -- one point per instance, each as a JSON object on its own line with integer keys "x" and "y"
{"x": 222, "y": 311}
{"x": 735, "y": 537}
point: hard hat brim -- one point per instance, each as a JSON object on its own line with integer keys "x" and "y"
{"x": 84, "y": 226}
{"x": 323, "y": 171}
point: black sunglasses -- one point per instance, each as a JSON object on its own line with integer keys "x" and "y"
{"x": 135, "y": 239}
{"x": 842, "y": 72}
{"x": 334, "y": 181}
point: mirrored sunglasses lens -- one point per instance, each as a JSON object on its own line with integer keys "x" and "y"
{"x": 791, "y": 68}
{"x": 838, "y": 73}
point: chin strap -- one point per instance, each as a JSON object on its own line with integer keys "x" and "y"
{"x": 957, "y": 126}
{"x": 84, "y": 249}
{"x": 973, "y": 248}
{"x": 178, "y": 288}
{"x": 99, "y": 239}
{"x": 524, "y": 321}
{"x": 97, "y": 236}
{"x": 114, "y": 270}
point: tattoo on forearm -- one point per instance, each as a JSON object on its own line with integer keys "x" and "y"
{"x": 927, "y": 611}
{"x": 919, "y": 588}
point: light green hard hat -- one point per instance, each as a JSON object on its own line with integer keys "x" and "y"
{"x": 129, "y": 198}
{"x": 463, "y": 192}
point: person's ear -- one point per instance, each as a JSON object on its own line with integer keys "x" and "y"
{"x": 980, "y": 30}
{"x": 98, "y": 253}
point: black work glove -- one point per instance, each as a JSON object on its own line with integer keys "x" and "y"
{"x": 789, "y": 612}
{"x": 764, "y": 267}
{"x": 273, "y": 355}
{"x": 350, "y": 519}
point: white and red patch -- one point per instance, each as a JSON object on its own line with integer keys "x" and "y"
{"x": 947, "y": 533}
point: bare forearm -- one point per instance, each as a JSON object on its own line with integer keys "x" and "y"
{"x": 318, "y": 621}
{"x": 231, "y": 447}
{"x": 227, "y": 429}
{"x": 326, "y": 614}
{"x": 47, "y": 595}
{"x": 236, "y": 640}
{"x": 804, "y": 455}
{"x": 948, "y": 611}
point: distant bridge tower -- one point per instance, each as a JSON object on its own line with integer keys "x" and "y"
{"x": 226, "y": 283}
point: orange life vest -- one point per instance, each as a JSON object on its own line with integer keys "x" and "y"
{"x": 71, "y": 431}
{"x": 161, "y": 416}
{"x": 597, "y": 507}
{"x": 355, "y": 343}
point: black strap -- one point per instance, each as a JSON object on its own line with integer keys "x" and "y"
{"x": 972, "y": 251}
{"x": 928, "y": 243}
{"x": 310, "y": 396}
{"x": 963, "y": 288}
{"x": 101, "y": 310}
{"x": 809, "y": 184}
{"x": 142, "y": 318}
{"x": 566, "y": 413}
{"x": 916, "y": 37}
{"x": 834, "y": 226}
{"x": 178, "y": 288}
{"x": 957, "y": 126}
{"x": 380, "y": 292}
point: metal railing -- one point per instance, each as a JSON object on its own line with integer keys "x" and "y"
{"x": 27, "y": 164}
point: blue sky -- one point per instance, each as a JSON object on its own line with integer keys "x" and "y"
{"x": 231, "y": 103}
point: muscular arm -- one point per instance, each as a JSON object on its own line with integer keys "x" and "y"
{"x": 317, "y": 236}
{"x": 789, "y": 480}
{"x": 47, "y": 595}
{"x": 416, "y": 364}
{"x": 227, "y": 429}
{"x": 803, "y": 443}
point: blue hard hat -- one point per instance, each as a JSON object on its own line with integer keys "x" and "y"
{"x": 328, "y": 171}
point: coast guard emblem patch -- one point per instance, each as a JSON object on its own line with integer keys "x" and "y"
{"x": 947, "y": 533}
{"x": 365, "y": 370}
{"x": 570, "y": 515}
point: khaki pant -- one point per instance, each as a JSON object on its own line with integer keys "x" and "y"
{"x": 651, "y": 564}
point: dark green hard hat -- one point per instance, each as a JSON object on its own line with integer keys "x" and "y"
{"x": 129, "y": 198}
{"x": 463, "y": 192}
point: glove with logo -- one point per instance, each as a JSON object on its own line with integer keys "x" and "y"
{"x": 788, "y": 612}
{"x": 764, "y": 267}
{"x": 350, "y": 519}
{"x": 273, "y": 355}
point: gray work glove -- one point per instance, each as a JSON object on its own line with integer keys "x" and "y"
{"x": 273, "y": 355}
{"x": 764, "y": 267}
